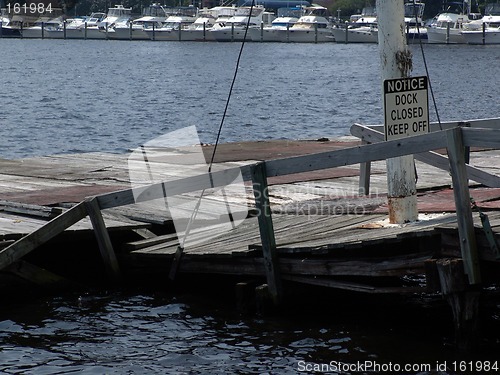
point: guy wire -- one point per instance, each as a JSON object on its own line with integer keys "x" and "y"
{"x": 196, "y": 208}
{"x": 425, "y": 65}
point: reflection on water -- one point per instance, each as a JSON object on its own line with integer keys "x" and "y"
{"x": 159, "y": 333}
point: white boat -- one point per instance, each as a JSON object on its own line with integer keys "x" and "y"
{"x": 414, "y": 21}
{"x": 365, "y": 28}
{"x": 8, "y": 29}
{"x": 174, "y": 25}
{"x": 41, "y": 27}
{"x": 362, "y": 28}
{"x": 310, "y": 28}
{"x": 152, "y": 17}
{"x": 485, "y": 30}
{"x": 447, "y": 26}
{"x": 279, "y": 30}
{"x": 235, "y": 28}
{"x": 78, "y": 28}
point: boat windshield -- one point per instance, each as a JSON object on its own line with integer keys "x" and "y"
{"x": 413, "y": 10}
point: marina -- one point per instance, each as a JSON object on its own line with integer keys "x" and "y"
{"x": 332, "y": 242}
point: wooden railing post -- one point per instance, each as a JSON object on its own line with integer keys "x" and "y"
{"x": 468, "y": 247}
{"x": 260, "y": 188}
{"x": 103, "y": 240}
{"x": 364, "y": 176}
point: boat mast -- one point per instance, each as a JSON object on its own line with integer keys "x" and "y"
{"x": 396, "y": 62}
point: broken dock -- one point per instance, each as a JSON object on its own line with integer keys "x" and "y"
{"x": 316, "y": 215}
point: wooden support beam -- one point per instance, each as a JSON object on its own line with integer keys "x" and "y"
{"x": 36, "y": 238}
{"x": 456, "y": 155}
{"x": 38, "y": 275}
{"x": 266, "y": 229}
{"x": 103, "y": 240}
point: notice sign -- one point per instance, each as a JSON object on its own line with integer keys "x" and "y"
{"x": 406, "y": 107}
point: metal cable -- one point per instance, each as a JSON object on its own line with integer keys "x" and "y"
{"x": 425, "y": 65}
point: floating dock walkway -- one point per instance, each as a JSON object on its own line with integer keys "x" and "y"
{"x": 317, "y": 216}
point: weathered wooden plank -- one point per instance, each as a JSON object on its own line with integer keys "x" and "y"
{"x": 30, "y": 209}
{"x": 481, "y": 138}
{"x": 463, "y": 205}
{"x": 356, "y": 155}
{"x": 157, "y": 191}
{"x": 352, "y": 286}
{"x": 144, "y": 233}
{"x": 38, "y": 275}
{"x": 103, "y": 240}
{"x": 31, "y": 241}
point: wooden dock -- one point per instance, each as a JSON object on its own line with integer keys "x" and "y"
{"x": 321, "y": 218}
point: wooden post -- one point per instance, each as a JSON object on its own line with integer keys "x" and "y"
{"x": 103, "y": 240}
{"x": 463, "y": 300}
{"x": 154, "y": 36}
{"x": 346, "y": 33}
{"x": 364, "y": 176}
{"x": 43, "y": 30}
{"x": 315, "y": 33}
{"x": 396, "y": 62}
{"x": 456, "y": 155}
{"x": 130, "y": 30}
{"x": 64, "y": 29}
{"x": 86, "y": 27}
{"x": 260, "y": 188}
{"x": 484, "y": 33}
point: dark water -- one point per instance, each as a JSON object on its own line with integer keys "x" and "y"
{"x": 155, "y": 332}
{"x": 69, "y": 96}
{"x": 73, "y": 96}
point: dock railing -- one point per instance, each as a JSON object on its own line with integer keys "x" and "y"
{"x": 455, "y": 140}
{"x": 375, "y": 133}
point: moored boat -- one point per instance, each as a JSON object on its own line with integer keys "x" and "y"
{"x": 279, "y": 30}
{"x": 41, "y": 27}
{"x": 362, "y": 28}
{"x": 447, "y": 26}
{"x": 7, "y": 28}
{"x": 485, "y": 30}
{"x": 414, "y": 21}
{"x": 235, "y": 28}
{"x": 152, "y": 17}
{"x": 178, "y": 20}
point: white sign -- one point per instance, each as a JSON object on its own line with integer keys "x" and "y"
{"x": 406, "y": 107}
